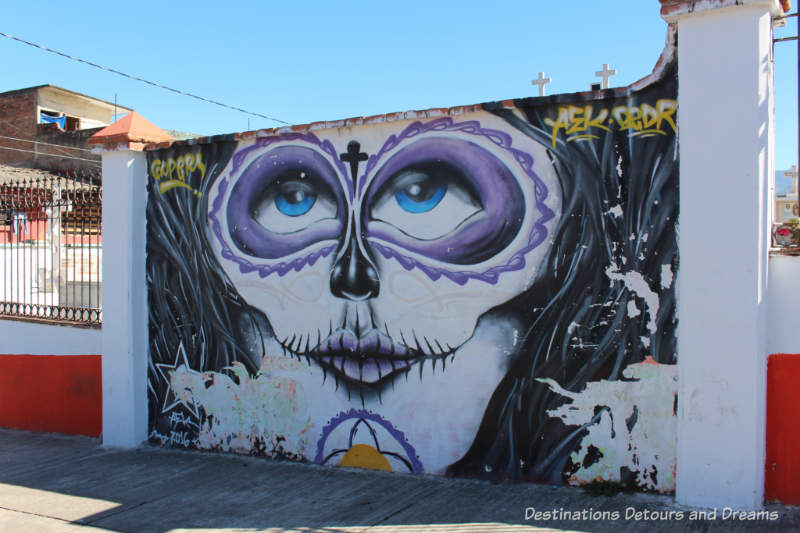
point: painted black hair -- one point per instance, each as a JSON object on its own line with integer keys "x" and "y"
{"x": 581, "y": 330}
{"x": 192, "y": 304}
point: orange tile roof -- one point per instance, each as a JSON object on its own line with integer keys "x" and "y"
{"x": 132, "y": 129}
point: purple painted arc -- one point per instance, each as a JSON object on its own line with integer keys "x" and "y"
{"x": 411, "y": 453}
{"x": 326, "y": 146}
{"x": 245, "y": 266}
{"x": 490, "y": 276}
{"x": 472, "y": 127}
{"x": 525, "y": 160}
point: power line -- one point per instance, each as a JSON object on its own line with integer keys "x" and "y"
{"x": 154, "y": 84}
{"x": 46, "y": 144}
{"x": 58, "y": 147}
{"x": 51, "y": 155}
{"x": 63, "y": 149}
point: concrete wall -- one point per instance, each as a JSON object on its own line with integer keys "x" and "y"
{"x": 783, "y": 374}
{"x": 233, "y": 364}
{"x": 452, "y": 291}
{"x": 21, "y": 337}
{"x": 50, "y": 378}
{"x": 783, "y": 300}
{"x": 52, "y": 99}
{"x": 722, "y": 310}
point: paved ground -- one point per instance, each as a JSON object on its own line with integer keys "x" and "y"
{"x": 51, "y": 483}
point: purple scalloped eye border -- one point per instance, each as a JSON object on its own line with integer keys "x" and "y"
{"x": 283, "y": 267}
{"x": 416, "y": 465}
{"x": 472, "y": 127}
{"x": 502, "y": 140}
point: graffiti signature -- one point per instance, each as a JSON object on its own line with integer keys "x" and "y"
{"x": 646, "y": 120}
{"x": 175, "y": 171}
{"x": 175, "y": 438}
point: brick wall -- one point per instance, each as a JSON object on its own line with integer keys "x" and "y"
{"x": 17, "y": 119}
{"x": 73, "y": 156}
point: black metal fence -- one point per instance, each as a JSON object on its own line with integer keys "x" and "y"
{"x": 51, "y": 246}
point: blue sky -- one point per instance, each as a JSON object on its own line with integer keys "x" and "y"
{"x": 308, "y": 61}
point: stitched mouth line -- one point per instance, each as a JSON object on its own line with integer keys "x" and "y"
{"x": 372, "y": 358}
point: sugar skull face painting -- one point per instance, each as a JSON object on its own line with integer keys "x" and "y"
{"x": 413, "y": 295}
{"x": 390, "y": 264}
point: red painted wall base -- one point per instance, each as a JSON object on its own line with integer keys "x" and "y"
{"x": 783, "y": 429}
{"x": 52, "y": 393}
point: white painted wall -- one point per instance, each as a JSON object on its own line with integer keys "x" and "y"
{"x": 124, "y": 299}
{"x": 20, "y": 337}
{"x": 726, "y": 129}
{"x": 783, "y": 297}
{"x": 83, "y": 107}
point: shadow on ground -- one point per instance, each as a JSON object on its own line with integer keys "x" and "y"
{"x": 57, "y": 483}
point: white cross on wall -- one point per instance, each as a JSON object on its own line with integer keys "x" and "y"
{"x": 606, "y": 73}
{"x": 541, "y": 81}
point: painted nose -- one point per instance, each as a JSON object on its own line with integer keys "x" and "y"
{"x": 353, "y": 276}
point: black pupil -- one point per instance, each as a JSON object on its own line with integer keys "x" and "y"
{"x": 421, "y": 189}
{"x": 294, "y": 195}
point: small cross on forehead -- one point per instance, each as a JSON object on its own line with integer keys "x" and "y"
{"x": 354, "y": 156}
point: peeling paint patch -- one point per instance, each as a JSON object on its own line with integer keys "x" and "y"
{"x": 635, "y": 282}
{"x": 666, "y": 276}
{"x": 264, "y": 414}
{"x": 634, "y": 430}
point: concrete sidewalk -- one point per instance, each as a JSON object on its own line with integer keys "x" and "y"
{"x": 51, "y": 483}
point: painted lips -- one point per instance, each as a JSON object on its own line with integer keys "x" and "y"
{"x": 371, "y": 358}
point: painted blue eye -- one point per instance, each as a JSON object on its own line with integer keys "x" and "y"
{"x": 295, "y": 201}
{"x": 420, "y": 196}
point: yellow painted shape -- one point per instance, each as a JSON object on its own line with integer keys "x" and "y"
{"x": 365, "y": 456}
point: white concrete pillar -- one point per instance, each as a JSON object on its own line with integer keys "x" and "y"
{"x": 726, "y": 157}
{"x": 125, "y": 331}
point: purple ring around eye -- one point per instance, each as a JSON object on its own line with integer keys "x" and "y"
{"x": 254, "y": 239}
{"x": 481, "y": 237}
{"x": 503, "y": 141}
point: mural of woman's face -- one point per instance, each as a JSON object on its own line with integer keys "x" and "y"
{"x": 422, "y": 295}
{"x": 370, "y": 255}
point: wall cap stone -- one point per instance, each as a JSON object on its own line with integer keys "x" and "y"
{"x": 672, "y": 10}
{"x": 132, "y": 132}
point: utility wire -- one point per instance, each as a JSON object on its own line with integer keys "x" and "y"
{"x": 46, "y": 144}
{"x": 58, "y": 147}
{"x": 154, "y": 84}
{"x": 51, "y": 155}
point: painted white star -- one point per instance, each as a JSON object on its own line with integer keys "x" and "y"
{"x": 166, "y": 370}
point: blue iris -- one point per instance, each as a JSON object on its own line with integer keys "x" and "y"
{"x": 417, "y": 199}
{"x": 295, "y": 203}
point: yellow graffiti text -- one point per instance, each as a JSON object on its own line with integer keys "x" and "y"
{"x": 645, "y": 119}
{"x": 584, "y": 122}
{"x": 575, "y": 122}
{"x": 174, "y": 172}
